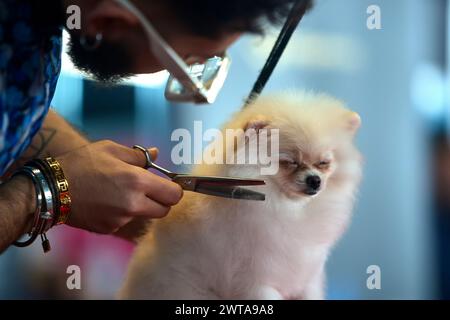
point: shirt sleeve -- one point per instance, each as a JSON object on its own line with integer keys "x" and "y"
{"x": 30, "y": 64}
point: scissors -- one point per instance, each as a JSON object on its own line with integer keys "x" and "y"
{"x": 214, "y": 186}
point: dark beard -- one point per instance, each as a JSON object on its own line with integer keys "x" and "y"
{"x": 110, "y": 63}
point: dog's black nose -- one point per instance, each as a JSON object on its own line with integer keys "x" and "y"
{"x": 313, "y": 182}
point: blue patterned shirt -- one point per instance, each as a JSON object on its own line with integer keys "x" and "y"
{"x": 30, "y": 63}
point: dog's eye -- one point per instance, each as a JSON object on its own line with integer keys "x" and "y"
{"x": 291, "y": 164}
{"x": 323, "y": 164}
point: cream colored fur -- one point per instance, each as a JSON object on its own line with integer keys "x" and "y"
{"x": 216, "y": 248}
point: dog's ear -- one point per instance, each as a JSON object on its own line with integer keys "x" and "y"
{"x": 257, "y": 123}
{"x": 353, "y": 122}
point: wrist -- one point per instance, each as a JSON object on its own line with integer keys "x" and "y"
{"x": 51, "y": 198}
{"x": 20, "y": 196}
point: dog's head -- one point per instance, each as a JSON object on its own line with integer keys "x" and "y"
{"x": 315, "y": 140}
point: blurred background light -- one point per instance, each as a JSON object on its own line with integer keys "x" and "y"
{"x": 312, "y": 50}
{"x": 429, "y": 91}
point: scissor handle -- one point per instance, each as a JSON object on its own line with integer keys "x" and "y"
{"x": 151, "y": 165}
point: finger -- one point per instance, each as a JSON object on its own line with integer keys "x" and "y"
{"x": 154, "y": 152}
{"x": 161, "y": 190}
{"x": 153, "y": 209}
{"x": 133, "y": 156}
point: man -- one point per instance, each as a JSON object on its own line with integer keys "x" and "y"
{"x": 110, "y": 191}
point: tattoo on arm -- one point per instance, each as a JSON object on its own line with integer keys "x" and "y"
{"x": 56, "y": 137}
{"x": 38, "y": 147}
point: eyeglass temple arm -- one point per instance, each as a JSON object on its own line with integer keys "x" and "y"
{"x": 172, "y": 62}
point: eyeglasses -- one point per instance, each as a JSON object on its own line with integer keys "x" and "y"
{"x": 196, "y": 83}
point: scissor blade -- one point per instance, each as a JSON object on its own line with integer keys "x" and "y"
{"x": 222, "y": 181}
{"x": 230, "y": 192}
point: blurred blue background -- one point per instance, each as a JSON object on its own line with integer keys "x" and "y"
{"x": 396, "y": 78}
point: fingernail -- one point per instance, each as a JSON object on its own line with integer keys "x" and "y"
{"x": 154, "y": 152}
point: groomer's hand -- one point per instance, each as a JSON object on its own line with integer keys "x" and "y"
{"x": 109, "y": 187}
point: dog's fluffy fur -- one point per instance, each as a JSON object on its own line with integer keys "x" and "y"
{"x": 216, "y": 248}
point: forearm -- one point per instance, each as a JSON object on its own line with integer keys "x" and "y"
{"x": 17, "y": 204}
{"x": 104, "y": 207}
{"x": 17, "y": 197}
{"x": 56, "y": 137}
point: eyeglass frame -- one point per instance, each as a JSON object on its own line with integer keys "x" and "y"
{"x": 176, "y": 66}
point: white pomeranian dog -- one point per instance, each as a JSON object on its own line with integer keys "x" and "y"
{"x": 217, "y": 248}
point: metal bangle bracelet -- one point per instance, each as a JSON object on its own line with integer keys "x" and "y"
{"x": 33, "y": 234}
{"x": 48, "y": 214}
{"x": 48, "y": 174}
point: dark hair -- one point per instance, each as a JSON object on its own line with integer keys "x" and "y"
{"x": 213, "y": 17}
